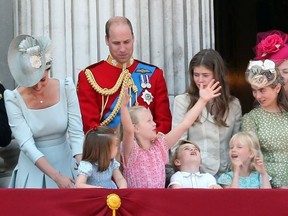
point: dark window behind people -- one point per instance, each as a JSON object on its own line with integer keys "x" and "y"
{"x": 5, "y": 131}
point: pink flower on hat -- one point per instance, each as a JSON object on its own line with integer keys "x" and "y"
{"x": 35, "y": 61}
{"x": 269, "y": 45}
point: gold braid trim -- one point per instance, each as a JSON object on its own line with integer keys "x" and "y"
{"x": 123, "y": 81}
{"x": 104, "y": 91}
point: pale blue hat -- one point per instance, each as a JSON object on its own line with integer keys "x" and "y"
{"x": 28, "y": 58}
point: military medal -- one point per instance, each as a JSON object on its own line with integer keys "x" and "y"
{"x": 147, "y": 96}
{"x": 143, "y": 84}
{"x": 148, "y": 85}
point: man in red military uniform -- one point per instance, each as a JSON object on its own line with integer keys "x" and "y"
{"x": 101, "y": 85}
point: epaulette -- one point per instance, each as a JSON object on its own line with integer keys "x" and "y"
{"x": 148, "y": 64}
{"x": 94, "y": 65}
{"x": 144, "y": 68}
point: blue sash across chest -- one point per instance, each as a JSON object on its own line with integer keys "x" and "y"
{"x": 136, "y": 76}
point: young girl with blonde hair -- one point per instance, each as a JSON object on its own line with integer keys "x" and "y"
{"x": 144, "y": 152}
{"x": 248, "y": 170}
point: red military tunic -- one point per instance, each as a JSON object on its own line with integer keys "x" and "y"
{"x": 106, "y": 75}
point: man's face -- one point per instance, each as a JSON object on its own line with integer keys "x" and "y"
{"x": 120, "y": 42}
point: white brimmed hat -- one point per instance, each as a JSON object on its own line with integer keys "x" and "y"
{"x": 28, "y": 58}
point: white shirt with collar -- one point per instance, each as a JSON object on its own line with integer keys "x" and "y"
{"x": 192, "y": 180}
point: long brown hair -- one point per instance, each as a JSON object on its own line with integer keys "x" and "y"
{"x": 282, "y": 98}
{"x": 97, "y": 146}
{"x": 211, "y": 59}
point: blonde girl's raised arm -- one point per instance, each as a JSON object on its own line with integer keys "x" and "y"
{"x": 179, "y": 110}
{"x": 127, "y": 126}
{"x": 211, "y": 91}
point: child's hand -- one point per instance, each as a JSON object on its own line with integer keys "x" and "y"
{"x": 216, "y": 186}
{"x": 259, "y": 165}
{"x": 126, "y": 97}
{"x": 211, "y": 90}
{"x": 237, "y": 164}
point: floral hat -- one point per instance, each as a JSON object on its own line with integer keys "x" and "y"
{"x": 261, "y": 74}
{"x": 272, "y": 45}
{"x": 28, "y": 58}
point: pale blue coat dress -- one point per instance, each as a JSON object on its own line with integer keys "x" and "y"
{"x": 45, "y": 132}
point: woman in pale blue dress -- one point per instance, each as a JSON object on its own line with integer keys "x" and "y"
{"x": 44, "y": 116}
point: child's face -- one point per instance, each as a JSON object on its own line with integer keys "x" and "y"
{"x": 114, "y": 148}
{"x": 145, "y": 127}
{"x": 240, "y": 151}
{"x": 188, "y": 153}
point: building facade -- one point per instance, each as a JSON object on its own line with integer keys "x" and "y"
{"x": 167, "y": 33}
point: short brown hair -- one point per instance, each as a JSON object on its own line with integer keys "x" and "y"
{"x": 97, "y": 146}
{"x": 175, "y": 155}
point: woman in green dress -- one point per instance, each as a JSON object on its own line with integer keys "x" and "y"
{"x": 269, "y": 120}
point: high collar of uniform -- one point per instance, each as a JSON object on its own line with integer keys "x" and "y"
{"x": 113, "y": 62}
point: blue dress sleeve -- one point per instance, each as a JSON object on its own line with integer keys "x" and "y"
{"x": 75, "y": 127}
{"x": 85, "y": 168}
{"x": 115, "y": 164}
{"x": 19, "y": 126}
{"x": 261, "y": 179}
{"x": 225, "y": 179}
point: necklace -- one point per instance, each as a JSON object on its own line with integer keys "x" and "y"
{"x": 39, "y": 100}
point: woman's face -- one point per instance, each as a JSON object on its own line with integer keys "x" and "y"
{"x": 42, "y": 83}
{"x": 266, "y": 96}
{"x": 283, "y": 68}
{"x": 202, "y": 75}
